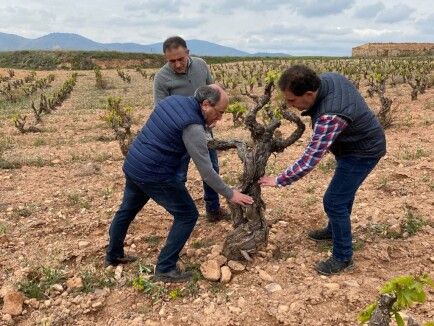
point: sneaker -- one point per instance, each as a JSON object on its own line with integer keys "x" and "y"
{"x": 333, "y": 266}
{"x": 121, "y": 260}
{"x": 217, "y": 215}
{"x": 173, "y": 276}
{"x": 320, "y": 235}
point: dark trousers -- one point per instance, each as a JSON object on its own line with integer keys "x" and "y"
{"x": 338, "y": 201}
{"x": 211, "y": 198}
{"x": 174, "y": 197}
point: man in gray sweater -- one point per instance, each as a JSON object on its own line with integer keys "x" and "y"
{"x": 182, "y": 75}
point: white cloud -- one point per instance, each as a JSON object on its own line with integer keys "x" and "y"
{"x": 318, "y": 8}
{"x": 229, "y": 6}
{"x": 369, "y": 11}
{"x": 426, "y": 25}
{"x": 310, "y": 27}
{"x": 394, "y": 14}
{"x": 154, "y": 6}
{"x": 369, "y": 32}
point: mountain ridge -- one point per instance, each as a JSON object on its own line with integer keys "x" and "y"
{"x": 76, "y": 42}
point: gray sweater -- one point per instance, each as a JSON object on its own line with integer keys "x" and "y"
{"x": 195, "y": 140}
{"x": 167, "y": 82}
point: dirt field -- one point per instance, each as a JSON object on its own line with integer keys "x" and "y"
{"x": 56, "y": 208}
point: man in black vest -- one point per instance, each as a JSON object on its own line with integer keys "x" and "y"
{"x": 182, "y": 75}
{"x": 344, "y": 125}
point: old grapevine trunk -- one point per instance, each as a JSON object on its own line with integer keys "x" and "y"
{"x": 381, "y": 315}
{"x": 250, "y": 227}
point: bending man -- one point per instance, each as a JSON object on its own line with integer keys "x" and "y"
{"x": 175, "y": 127}
{"x": 343, "y": 124}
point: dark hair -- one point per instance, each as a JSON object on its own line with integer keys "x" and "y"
{"x": 207, "y": 93}
{"x": 299, "y": 79}
{"x": 173, "y": 42}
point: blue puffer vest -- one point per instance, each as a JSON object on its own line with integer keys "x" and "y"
{"x": 156, "y": 152}
{"x": 364, "y": 135}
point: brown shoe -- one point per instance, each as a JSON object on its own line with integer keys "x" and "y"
{"x": 218, "y": 215}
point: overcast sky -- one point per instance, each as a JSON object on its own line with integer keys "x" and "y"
{"x": 309, "y": 27}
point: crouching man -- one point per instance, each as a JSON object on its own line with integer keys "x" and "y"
{"x": 344, "y": 125}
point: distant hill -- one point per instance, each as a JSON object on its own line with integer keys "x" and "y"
{"x": 10, "y": 42}
{"x": 69, "y": 41}
{"x": 206, "y": 48}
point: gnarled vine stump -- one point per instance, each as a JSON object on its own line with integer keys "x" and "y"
{"x": 381, "y": 314}
{"x": 250, "y": 227}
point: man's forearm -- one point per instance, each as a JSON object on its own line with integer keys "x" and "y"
{"x": 195, "y": 141}
{"x": 326, "y": 130}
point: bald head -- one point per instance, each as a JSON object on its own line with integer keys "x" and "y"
{"x": 212, "y": 93}
{"x": 224, "y": 98}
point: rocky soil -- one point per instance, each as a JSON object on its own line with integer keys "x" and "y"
{"x": 56, "y": 208}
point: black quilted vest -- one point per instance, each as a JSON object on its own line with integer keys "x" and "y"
{"x": 364, "y": 135}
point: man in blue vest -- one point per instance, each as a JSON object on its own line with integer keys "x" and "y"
{"x": 344, "y": 125}
{"x": 182, "y": 75}
{"x": 175, "y": 127}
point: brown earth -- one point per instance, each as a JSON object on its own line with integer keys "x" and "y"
{"x": 120, "y": 64}
{"x": 56, "y": 209}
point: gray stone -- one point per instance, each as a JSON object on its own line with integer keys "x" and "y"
{"x": 221, "y": 260}
{"x": 226, "y": 274}
{"x": 234, "y": 310}
{"x": 83, "y": 244}
{"x": 118, "y": 272}
{"x": 236, "y": 266}
{"x": 6, "y": 288}
{"x": 7, "y": 318}
{"x": 216, "y": 250}
{"x": 273, "y": 287}
{"x": 13, "y": 303}
{"x": 210, "y": 309}
{"x": 211, "y": 270}
{"x": 282, "y": 308}
{"x": 57, "y": 287}
{"x": 74, "y": 283}
{"x": 97, "y": 304}
{"x": 352, "y": 283}
{"x": 265, "y": 276}
{"x": 332, "y": 286}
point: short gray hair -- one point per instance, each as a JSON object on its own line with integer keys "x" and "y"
{"x": 207, "y": 93}
{"x": 173, "y": 43}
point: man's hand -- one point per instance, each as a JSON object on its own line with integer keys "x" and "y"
{"x": 267, "y": 181}
{"x": 212, "y": 125}
{"x": 241, "y": 199}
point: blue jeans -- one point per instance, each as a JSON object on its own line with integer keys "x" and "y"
{"x": 338, "y": 201}
{"x": 211, "y": 198}
{"x": 174, "y": 197}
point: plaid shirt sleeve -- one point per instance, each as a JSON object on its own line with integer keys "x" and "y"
{"x": 325, "y": 131}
